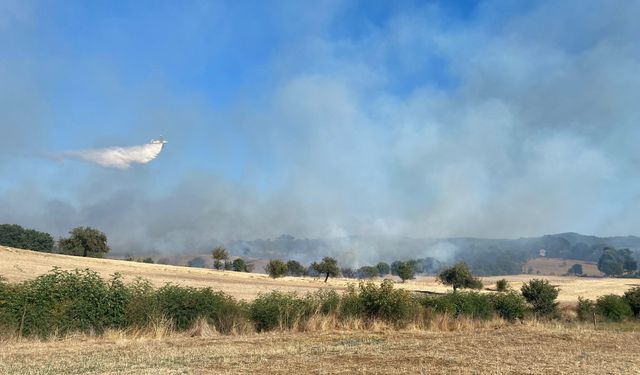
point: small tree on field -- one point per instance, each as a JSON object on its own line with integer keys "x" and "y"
{"x": 632, "y": 296}
{"x": 220, "y": 255}
{"x": 541, "y": 296}
{"x": 295, "y": 268}
{"x": 328, "y": 266}
{"x": 502, "y": 285}
{"x": 459, "y": 276}
{"x": 367, "y": 272}
{"x": 405, "y": 271}
{"x": 239, "y": 265}
{"x": 276, "y": 268}
{"x": 383, "y": 269}
{"x": 85, "y": 241}
{"x": 576, "y": 269}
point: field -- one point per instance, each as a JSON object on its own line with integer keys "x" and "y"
{"x": 19, "y": 265}
{"x": 555, "y": 266}
{"x": 520, "y": 349}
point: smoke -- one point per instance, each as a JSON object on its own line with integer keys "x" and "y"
{"x": 118, "y": 157}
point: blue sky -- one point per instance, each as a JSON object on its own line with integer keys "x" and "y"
{"x": 323, "y": 118}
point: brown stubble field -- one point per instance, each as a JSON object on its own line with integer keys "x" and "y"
{"x": 515, "y": 349}
{"x": 19, "y": 265}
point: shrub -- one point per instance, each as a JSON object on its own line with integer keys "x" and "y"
{"x": 584, "y": 309}
{"x": 278, "y": 310}
{"x": 367, "y": 272}
{"x": 395, "y": 306}
{"x": 502, "y": 285}
{"x": 295, "y": 268}
{"x": 471, "y": 304}
{"x": 383, "y": 268}
{"x": 322, "y": 302}
{"x": 541, "y": 296}
{"x": 632, "y": 296}
{"x": 510, "y": 306}
{"x": 276, "y": 268}
{"x": 613, "y": 308}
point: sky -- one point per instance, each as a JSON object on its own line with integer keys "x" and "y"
{"x": 321, "y": 119}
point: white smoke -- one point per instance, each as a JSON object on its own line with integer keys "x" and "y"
{"x": 118, "y": 157}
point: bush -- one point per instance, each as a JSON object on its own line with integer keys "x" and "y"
{"x": 395, "y": 306}
{"x": 613, "y": 308}
{"x": 510, "y": 306}
{"x": 459, "y": 276}
{"x": 276, "y": 268}
{"x": 295, "y": 268}
{"x": 502, "y": 285}
{"x": 541, "y": 296}
{"x": 278, "y": 310}
{"x": 584, "y": 309}
{"x": 632, "y": 296}
{"x": 471, "y": 304}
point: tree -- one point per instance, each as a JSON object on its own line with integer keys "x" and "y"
{"x": 276, "y": 268}
{"x": 459, "y": 276}
{"x": 219, "y": 255}
{"x": 368, "y": 272}
{"x": 239, "y": 265}
{"x": 576, "y": 269}
{"x": 85, "y": 241}
{"x": 328, "y": 266}
{"x": 16, "y": 236}
{"x": 383, "y": 269}
{"x": 614, "y": 262}
{"x": 295, "y": 268}
{"x": 405, "y": 271}
{"x": 197, "y": 262}
{"x": 629, "y": 264}
{"x": 502, "y": 285}
{"x": 541, "y": 296}
{"x": 348, "y": 272}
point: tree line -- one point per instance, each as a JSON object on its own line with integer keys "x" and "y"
{"x": 82, "y": 241}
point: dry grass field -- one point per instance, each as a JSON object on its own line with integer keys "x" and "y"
{"x": 517, "y": 349}
{"x": 19, "y": 265}
{"x": 556, "y": 266}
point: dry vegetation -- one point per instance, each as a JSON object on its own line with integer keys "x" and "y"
{"x": 558, "y": 267}
{"x": 534, "y": 348}
{"x": 19, "y": 265}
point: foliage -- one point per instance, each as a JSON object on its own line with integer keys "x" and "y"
{"x": 85, "y": 241}
{"x": 615, "y": 262}
{"x": 510, "y": 306}
{"x": 367, "y": 272}
{"x": 395, "y": 306}
{"x": 541, "y": 296}
{"x": 632, "y": 296}
{"x": 239, "y": 265}
{"x": 584, "y": 309}
{"x": 613, "y": 308}
{"x": 383, "y": 269}
{"x": 502, "y": 285}
{"x": 276, "y": 268}
{"x": 459, "y": 276}
{"x": 277, "y": 310}
{"x": 13, "y": 235}
{"x": 348, "y": 272}
{"x": 471, "y": 304}
{"x": 197, "y": 262}
{"x": 576, "y": 269}
{"x": 295, "y": 268}
{"x": 405, "y": 271}
{"x": 328, "y": 267}
{"x": 220, "y": 255}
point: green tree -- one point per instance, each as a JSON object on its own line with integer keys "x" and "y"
{"x": 13, "y": 235}
{"x": 405, "y": 271}
{"x": 459, "y": 276}
{"x": 383, "y": 269}
{"x": 632, "y": 296}
{"x": 541, "y": 296}
{"x": 328, "y": 266}
{"x": 368, "y": 272}
{"x": 239, "y": 265}
{"x": 576, "y": 269}
{"x": 502, "y": 285}
{"x": 629, "y": 264}
{"x": 276, "y": 268}
{"x": 295, "y": 268}
{"x": 85, "y": 241}
{"x": 220, "y": 255}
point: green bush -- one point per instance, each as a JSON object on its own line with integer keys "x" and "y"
{"x": 510, "y": 306}
{"x": 541, "y": 296}
{"x": 276, "y": 268}
{"x": 502, "y": 285}
{"x": 584, "y": 309}
{"x": 471, "y": 304}
{"x": 632, "y": 296}
{"x": 323, "y": 302}
{"x": 613, "y": 308}
{"x": 395, "y": 306}
{"x": 278, "y": 310}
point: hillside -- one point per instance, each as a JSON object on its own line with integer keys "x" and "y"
{"x": 18, "y": 265}
{"x": 559, "y": 267}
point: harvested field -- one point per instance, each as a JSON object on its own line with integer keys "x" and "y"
{"x": 520, "y": 349}
{"x": 19, "y": 265}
